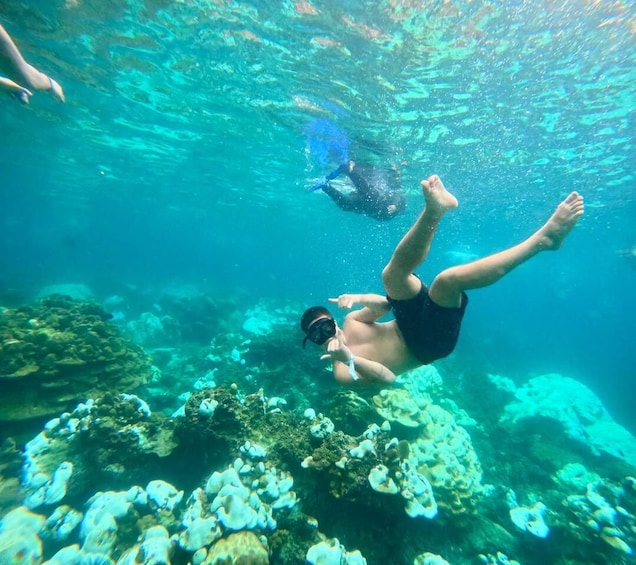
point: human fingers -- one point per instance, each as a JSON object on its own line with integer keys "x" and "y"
{"x": 340, "y": 338}
{"x": 344, "y": 301}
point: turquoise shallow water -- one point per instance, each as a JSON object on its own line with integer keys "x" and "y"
{"x": 181, "y": 159}
{"x": 180, "y": 156}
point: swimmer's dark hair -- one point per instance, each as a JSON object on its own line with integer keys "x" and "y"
{"x": 311, "y": 314}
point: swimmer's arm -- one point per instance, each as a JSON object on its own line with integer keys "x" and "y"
{"x": 349, "y": 368}
{"x": 374, "y": 306}
{"x": 368, "y": 372}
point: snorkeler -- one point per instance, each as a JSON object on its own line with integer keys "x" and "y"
{"x": 21, "y": 75}
{"x": 427, "y": 319}
{"x": 375, "y": 193}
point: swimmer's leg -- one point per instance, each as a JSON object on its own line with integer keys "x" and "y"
{"x": 448, "y": 286}
{"x": 399, "y": 281}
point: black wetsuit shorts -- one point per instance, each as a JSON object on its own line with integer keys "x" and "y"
{"x": 429, "y": 330}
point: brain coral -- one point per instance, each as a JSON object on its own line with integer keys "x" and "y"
{"x": 446, "y": 457}
{"x": 398, "y": 406}
{"x": 443, "y": 449}
{"x": 241, "y": 548}
{"x": 60, "y": 351}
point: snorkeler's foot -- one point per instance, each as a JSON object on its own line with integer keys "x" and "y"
{"x": 561, "y": 223}
{"x": 56, "y": 90}
{"x": 438, "y": 199}
{"x": 38, "y": 80}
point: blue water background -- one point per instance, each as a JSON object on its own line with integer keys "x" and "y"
{"x": 181, "y": 157}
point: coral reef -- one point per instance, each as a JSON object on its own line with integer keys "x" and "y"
{"x": 100, "y": 444}
{"x": 601, "y": 512}
{"x": 240, "y": 548}
{"x": 577, "y": 410}
{"x": 59, "y": 352}
{"x": 307, "y": 473}
{"x": 442, "y": 451}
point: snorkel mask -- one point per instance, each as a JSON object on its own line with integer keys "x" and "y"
{"x": 320, "y": 331}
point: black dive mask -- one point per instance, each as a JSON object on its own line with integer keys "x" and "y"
{"x": 320, "y": 331}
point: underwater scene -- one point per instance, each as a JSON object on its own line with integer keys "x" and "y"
{"x": 181, "y": 180}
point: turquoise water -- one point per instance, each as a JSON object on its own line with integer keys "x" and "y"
{"x": 181, "y": 158}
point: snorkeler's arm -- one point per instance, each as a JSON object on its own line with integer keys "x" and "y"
{"x": 367, "y": 371}
{"x": 349, "y": 368}
{"x": 374, "y": 306}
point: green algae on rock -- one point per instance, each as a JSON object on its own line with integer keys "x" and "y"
{"x": 61, "y": 351}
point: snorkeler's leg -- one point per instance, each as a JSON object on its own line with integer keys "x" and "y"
{"x": 14, "y": 64}
{"x": 448, "y": 286}
{"x": 344, "y": 201}
{"x": 359, "y": 182}
{"x": 399, "y": 281}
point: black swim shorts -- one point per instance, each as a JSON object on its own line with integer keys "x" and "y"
{"x": 429, "y": 330}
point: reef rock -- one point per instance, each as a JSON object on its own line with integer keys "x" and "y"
{"x": 553, "y": 399}
{"x": 108, "y": 440}
{"x": 241, "y": 548}
{"x": 398, "y": 406}
{"x": 442, "y": 451}
{"x": 59, "y": 352}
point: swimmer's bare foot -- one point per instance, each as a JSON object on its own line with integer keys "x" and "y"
{"x": 56, "y": 91}
{"x": 561, "y": 223}
{"x": 438, "y": 199}
{"x": 37, "y": 80}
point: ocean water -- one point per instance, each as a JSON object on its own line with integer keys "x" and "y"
{"x": 180, "y": 156}
{"x": 184, "y": 155}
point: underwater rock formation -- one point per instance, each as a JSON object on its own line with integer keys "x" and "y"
{"x": 101, "y": 443}
{"x": 10, "y": 464}
{"x": 265, "y": 484}
{"x": 59, "y": 352}
{"x": 241, "y": 547}
{"x": 601, "y": 511}
{"x": 19, "y": 541}
{"x": 442, "y": 451}
{"x": 576, "y": 410}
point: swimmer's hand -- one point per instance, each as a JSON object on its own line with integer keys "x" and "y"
{"x": 337, "y": 350}
{"x": 346, "y": 301}
{"x": 374, "y": 306}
